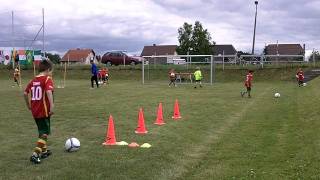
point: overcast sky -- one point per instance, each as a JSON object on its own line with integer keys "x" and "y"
{"x": 131, "y": 24}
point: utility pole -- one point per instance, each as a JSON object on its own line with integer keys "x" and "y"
{"x": 43, "y": 33}
{"x": 255, "y": 24}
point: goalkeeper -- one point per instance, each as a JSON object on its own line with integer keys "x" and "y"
{"x": 198, "y": 77}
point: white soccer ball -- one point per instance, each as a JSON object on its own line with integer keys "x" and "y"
{"x": 72, "y": 144}
{"x": 277, "y": 95}
{"x": 304, "y": 84}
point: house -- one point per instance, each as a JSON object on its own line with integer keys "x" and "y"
{"x": 79, "y": 56}
{"x": 223, "y": 49}
{"x": 285, "y": 49}
{"x": 159, "y": 50}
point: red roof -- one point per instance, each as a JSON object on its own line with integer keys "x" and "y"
{"x": 158, "y": 50}
{"x": 77, "y": 55}
{"x": 284, "y": 49}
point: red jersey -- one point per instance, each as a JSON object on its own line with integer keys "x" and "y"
{"x": 249, "y": 79}
{"x": 103, "y": 72}
{"x": 300, "y": 75}
{"x": 99, "y": 74}
{"x": 37, "y": 88}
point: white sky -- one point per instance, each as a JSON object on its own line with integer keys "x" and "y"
{"x": 130, "y": 24}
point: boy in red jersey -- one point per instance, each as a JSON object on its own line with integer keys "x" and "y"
{"x": 104, "y": 75}
{"x": 248, "y": 84}
{"x": 300, "y": 77}
{"x": 107, "y": 75}
{"x": 38, "y": 96}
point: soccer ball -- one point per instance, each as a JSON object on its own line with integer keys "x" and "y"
{"x": 72, "y": 144}
{"x": 277, "y": 95}
{"x": 304, "y": 84}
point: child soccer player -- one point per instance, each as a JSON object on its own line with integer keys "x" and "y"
{"x": 16, "y": 75}
{"x": 103, "y": 75}
{"x": 107, "y": 75}
{"x": 172, "y": 77}
{"x": 94, "y": 72}
{"x": 38, "y": 96}
{"x": 300, "y": 77}
{"x": 248, "y": 84}
{"x": 198, "y": 77}
{"x": 100, "y": 76}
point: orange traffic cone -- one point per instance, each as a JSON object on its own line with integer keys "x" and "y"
{"x": 110, "y": 135}
{"x": 159, "y": 120}
{"x": 141, "y": 129}
{"x": 176, "y": 112}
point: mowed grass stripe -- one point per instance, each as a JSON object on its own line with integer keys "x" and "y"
{"x": 277, "y": 139}
{"x": 221, "y": 135}
{"x": 186, "y": 166}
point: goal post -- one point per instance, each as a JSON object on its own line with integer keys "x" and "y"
{"x": 156, "y": 68}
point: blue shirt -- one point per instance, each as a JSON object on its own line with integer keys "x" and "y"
{"x": 94, "y": 70}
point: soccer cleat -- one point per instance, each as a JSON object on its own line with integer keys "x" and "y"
{"x": 45, "y": 154}
{"x": 35, "y": 159}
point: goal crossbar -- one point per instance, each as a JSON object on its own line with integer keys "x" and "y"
{"x": 181, "y": 56}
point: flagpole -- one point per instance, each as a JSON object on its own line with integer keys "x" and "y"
{"x": 12, "y": 38}
{"x": 43, "y": 31}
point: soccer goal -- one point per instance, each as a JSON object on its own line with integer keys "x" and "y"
{"x": 155, "y": 69}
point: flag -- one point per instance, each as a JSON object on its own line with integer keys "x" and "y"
{"x": 37, "y": 55}
{"x": 14, "y": 56}
{"x": 7, "y": 57}
{"x": 1, "y": 57}
{"x": 22, "y": 57}
{"x": 29, "y": 56}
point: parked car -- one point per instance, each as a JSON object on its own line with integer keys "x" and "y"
{"x": 116, "y": 58}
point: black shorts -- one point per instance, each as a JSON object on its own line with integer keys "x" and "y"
{"x": 43, "y": 125}
{"x": 248, "y": 88}
{"x": 198, "y": 80}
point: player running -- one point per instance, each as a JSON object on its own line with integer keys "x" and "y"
{"x": 248, "y": 84}
{"x": 300, "y": 77}
{"x": 16, "y": 76}
{"x": 172, "y": 78}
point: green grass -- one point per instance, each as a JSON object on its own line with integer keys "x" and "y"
{"x": 221, "y": 135}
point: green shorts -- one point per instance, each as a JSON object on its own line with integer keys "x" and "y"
{"x": 43, "y": 125}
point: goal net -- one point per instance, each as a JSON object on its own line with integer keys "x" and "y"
{"x": 155, "y": 69}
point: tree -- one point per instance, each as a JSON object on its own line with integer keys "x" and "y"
{"x": 185, "y": 41}
{"x": 55, "y": 58}
{"x": 196, "y": 38}
{"x": 316, "y": 56}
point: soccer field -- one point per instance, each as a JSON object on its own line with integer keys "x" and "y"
{"x": 220, "y": 135}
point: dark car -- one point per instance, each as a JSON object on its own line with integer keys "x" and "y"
{"x": 116, "y": 58}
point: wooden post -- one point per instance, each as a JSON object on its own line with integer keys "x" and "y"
{"x": 34, "y": 69}
{"x": 20, "y": 82}
{"x": 65, "y": 74}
